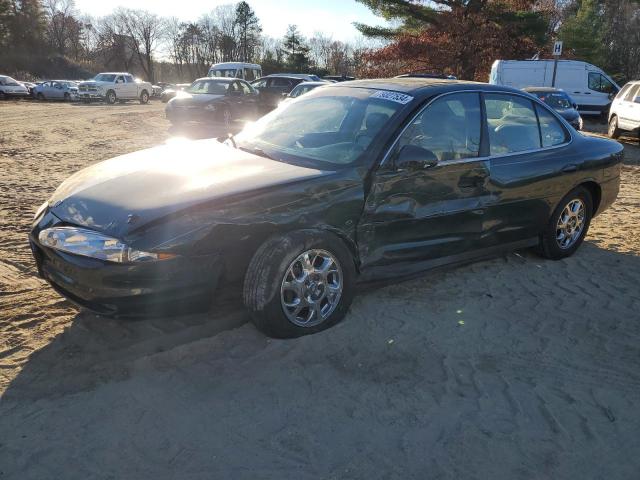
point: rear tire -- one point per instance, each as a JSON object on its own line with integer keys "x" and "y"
{"x": 567, "y": 226}
{"x": 614, "y": 131}
{"x": 312, "y": 272}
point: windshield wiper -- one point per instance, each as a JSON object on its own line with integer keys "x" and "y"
{"x": 257, "y": 151}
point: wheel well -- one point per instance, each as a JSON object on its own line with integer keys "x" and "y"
{"x": 596, "y": 194}
{"x": 144, "y": 91}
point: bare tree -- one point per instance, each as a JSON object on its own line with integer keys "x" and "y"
{"x": 62, "y": 26}
{"x": 144, "y": 31}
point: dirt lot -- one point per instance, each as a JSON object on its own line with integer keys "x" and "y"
{"x": 513, "y": 368}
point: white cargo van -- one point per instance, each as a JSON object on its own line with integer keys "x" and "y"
{"x": 588, "y": 86}
{"x": 245, "y": 71}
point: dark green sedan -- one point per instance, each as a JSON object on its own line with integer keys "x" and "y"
{"x": 352, "y": 182}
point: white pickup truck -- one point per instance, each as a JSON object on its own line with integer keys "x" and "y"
{"x": 114, "y": 86}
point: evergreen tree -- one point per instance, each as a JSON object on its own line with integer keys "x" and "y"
{"x": 296, "y": 50}
{"x": 462, "y": 37}
{"x": 248, "y": 30}
{"x": 584, "y": 32}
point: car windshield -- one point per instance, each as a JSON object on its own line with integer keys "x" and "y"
{"x": 326, "y": 128}
{"x": 212, "y": 87}
{"x": 105, "y": 77}
{"x": 556, "y": 100}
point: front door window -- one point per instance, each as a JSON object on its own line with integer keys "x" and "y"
{"x": 449, "y": 128}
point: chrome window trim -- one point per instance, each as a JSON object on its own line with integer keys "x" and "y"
{"x": 527, "y": 96}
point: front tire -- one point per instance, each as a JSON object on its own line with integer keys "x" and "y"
{"x": 300, "y": 283}
{"x": 144, "y": 97}
{"x": 568, "y": 225}
{"x": 614, "y": 131}
{"x": 110, "y": 98}
{"x": 40, "y": 96}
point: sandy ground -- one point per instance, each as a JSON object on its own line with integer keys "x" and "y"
{"x": 513, "y": 368}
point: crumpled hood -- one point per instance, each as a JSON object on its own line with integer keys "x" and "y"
{"x": 126, "y": 192}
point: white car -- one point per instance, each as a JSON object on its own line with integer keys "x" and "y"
{"x": 114, "y": 86}
{"x": 590, "y": 87}
{"x": 625, "y": 111}
{"x": 10, "y": 88}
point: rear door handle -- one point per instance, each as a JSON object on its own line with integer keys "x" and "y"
{"x": 570, "y": 168}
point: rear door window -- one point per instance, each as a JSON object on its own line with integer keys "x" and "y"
{"x": 551, "y": 130}
{"x": 280, "y": 83}
{"x": 512, "y": 124}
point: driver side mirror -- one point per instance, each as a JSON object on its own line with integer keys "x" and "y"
{"x": 412, "y": 157}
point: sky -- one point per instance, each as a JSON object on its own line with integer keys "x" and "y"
{"x": 332, "y": 17}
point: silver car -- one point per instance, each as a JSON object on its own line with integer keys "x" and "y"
{"x": 56, "y": 90}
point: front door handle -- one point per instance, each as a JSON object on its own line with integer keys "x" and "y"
{"x": 570, "y": 168}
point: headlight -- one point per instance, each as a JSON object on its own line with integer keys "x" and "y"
{"x": 88, "y": 243}
{"x": 211, "y": 107}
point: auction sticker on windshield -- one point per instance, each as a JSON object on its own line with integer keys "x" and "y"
{"x": 393, "y": 96}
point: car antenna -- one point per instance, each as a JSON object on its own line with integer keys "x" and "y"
{"x": 230, "y": 137}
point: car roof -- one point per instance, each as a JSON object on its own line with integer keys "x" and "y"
{"x": 280, "y": 75}
{"x": 543, "y": 89}
{"x": 307, "y": 84}
{"x": 220, "y": 79}
{"x": 424, "y": 87}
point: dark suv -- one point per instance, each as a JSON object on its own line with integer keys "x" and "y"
{"x": 273, "y": 88}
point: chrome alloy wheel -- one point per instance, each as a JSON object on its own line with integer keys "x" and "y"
{"x": 570, "y": 223}
{"x": 311, "y": 288}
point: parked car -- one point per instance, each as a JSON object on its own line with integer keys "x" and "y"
{"x": 560, "y": 102}
{"x": 214, "y": 100}
{"x": 625, "y": 111}
{"x": 114, "y": 86}
{"x": 272, "y": 88}
{"x": 56, "y": 90}
{"x": 360, "y": 181}
{"x": 10, "y": 88}
{"x": 590, "y": 87}
{"x": 171, "y": 91}
{"x": 245, "y": 71}
{"x": 303, "y": 88}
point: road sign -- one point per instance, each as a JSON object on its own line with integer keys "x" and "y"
{"x": 557, "y": 49}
